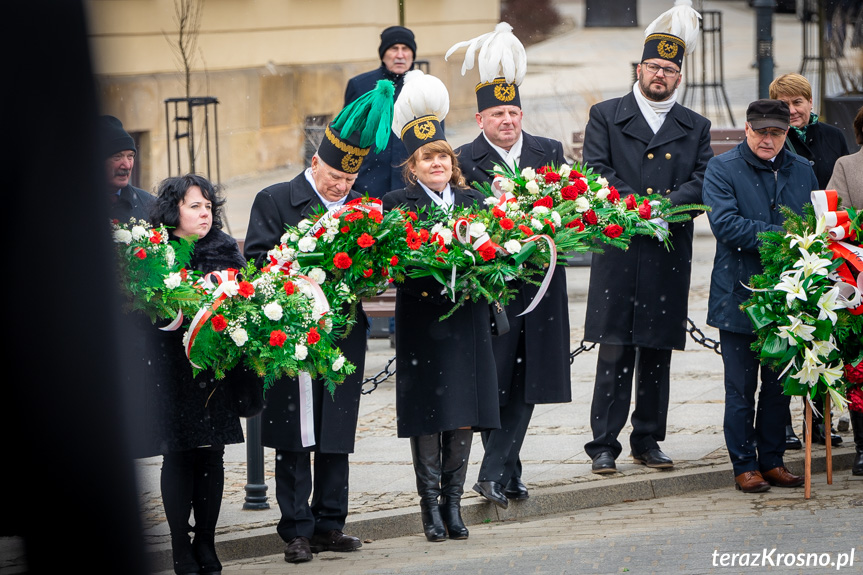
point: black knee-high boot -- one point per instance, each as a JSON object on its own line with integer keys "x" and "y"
{"x": 857, "y": 429}
{"x": 455, "y": 451}
{"x": 177, "y": 487}
{"x": 426, "y": 451}
{"x": 209, "y": 483}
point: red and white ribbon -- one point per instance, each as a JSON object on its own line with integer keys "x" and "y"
{"x": 307, "y": 409}
{"x": 224, "y": 280}
{"x": 543, "y": 287}
{"x": 849, "y": 275}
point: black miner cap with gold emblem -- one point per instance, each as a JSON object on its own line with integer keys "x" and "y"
{"x": 422, "y": 105}
{"x": 673, "y": 33}
{"x": 502, "y": 66}
{"x": 365, "y": 121}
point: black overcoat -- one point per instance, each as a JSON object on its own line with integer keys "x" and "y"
{"x": 275, "y": 207}
{"x": 640, "y": 296}
{"x": 822, "y": 146}
{"x": 189, "y": 412}
{"x": 546, "y": 328}
{"x": 445, "y": 376}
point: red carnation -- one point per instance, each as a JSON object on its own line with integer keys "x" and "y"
{"x": 590, "y": 217}
{"x": 376, "y": 217}
{"x": 368, "y": 273}
{"x": 156, "y": 238}
{"x": 631, "y": 202}
{"x": 545, "y": 202}
{"x": 278, "y": 338}
{"x": 507, "y": 223}
{"x": 394, "y": 260}
{"x": 577, "y": 224}
{"x": 424, "y": 235}
{"x": 486, "y": 253}
{"x": 184, "y": 274}
{"x": 613, "y": 230}
{"x": 365, "y": 241}
{"x": 412, "y": 216}
{"x": 246, "y": 290}
{"x": 219, "y": 323}
{"x": 569, "y": 192}
{"x": 552, "y": 177}
{"x": 385, "y": 272}
{"x": 342, "y": 261}
{"x": 549, "y": 223}
{"x": 140, "y": 254}
{"x": 497, "y": 212}
{"x": 313, "y": 336}
{"x": 525, "y": 230}
{"x": 345, "y": 229}
{"x": 644, "y": 209}
{"x": 289, "y": 288}
{"x": 354, "y": 216}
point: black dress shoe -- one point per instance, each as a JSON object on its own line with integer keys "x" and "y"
{"x": 334, "y": 540}
{"x": 492, "y": 491}
{"x": 603, "y": 463}
{"x": 818, "y": 436}
{"x": 515, "y": 489}
{"x": 298, "y": 550}
{"x": 791, "y": 439}
{"x": 653, "y": 458}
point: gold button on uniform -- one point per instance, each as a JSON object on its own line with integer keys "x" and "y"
{"x": 667, "y": 156}
{"x": 649, "y": 156}
{"x": 649, "y": 190}
{"x": 425, "y": 294}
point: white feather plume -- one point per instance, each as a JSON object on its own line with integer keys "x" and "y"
{"x": 421, "y": 95}
{"x": 681, "y": 21}
{"x": 500, "y": 54}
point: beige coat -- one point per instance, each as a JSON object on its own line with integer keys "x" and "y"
{"x": 847, "y": 179}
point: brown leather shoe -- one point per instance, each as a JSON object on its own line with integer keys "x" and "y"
{"x": 334, "y": 540}
{"x": 781, "y": 477}
{"x": 751, "y": 482}
{"x": 298, "y": 550}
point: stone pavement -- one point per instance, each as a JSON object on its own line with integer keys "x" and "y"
{"x": 567, "y": 73}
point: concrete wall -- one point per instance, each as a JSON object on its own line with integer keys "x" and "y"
{"x": 270, "y": 63}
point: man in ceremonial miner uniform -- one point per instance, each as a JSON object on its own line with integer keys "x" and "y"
{"x": 326, "y": 184}
{"x": 644, "y": 143}
{"x": 532, "y": 359}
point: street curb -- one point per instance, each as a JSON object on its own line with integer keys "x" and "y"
{"x": 369, "y": 527}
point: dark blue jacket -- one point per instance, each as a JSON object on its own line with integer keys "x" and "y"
{"x": 745, "y": 195}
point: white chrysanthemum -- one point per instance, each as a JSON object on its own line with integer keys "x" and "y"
{"x": 536, "y": 224}
{"x": 532, "y": 187}
{"x": 273, "y": 311}
{"x": 307, "y": 244}
{"x": 239, "y": 336}
{"x": 477, "y": 229}
{"x": 339, "y": 363}
{"x": 123, "y": 236}
{"x": 582, "y": 204}
{"x": 528, "y": 173}
{"x": 305, "y": 288}
{"x": 540, "y": 211}
{"x": 555, "y": 217}
{"x": 286, "y": 237}
{"x": 139, "y": 233}
{"x": 301, "y": 352}
{"x": 173, "y": 280}
{"x": 512, "y": 246}
{"x": 490, "y": 201}
{"x": 317, "y": 275}
{"x": 446, "y": 234}
{"x": 230, "y": 288}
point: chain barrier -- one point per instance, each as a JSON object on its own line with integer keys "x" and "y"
{"x": 698, "y": 336}
{"x": 389, "y": 370}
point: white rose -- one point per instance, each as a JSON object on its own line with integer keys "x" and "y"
{"x": 528, "y": 173}
{"x": 600, "y": 180}
{"x": 239, "y": 336}
{"x": 173, "y": 280}
{"x": 602, "y": 194}
{"x": 123, "y": 237}
{"x": 512, "y": 246}
{"x": 507, "y": 186}
{"x": 301, "y": 352}
{"x": 532, "y": 187}
{"x": 273, "y": 311}
{"x": 318, "y": 275}
{"x": 582, "y": 204}
{"x": 564, "y": 171}
{"x": 307, "y": 244}
{"x": 339, "y": 363}
{"x": 139, "y": 233}
{"x": 498, "y": 169}
{"x": 477, "y": 229}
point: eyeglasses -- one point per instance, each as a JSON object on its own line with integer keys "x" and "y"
{"x": 667, "y": 70}
{"x": 765, "y": 132}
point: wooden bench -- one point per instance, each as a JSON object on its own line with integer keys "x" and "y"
{"x": 724, "y": 139}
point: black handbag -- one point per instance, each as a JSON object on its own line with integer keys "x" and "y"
{"x": 499, "y": 320}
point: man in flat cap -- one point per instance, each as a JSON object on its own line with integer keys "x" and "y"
{"x": 637, "y": 303}
{"x": 382, "y": 173}
{"x": 119, "y": 151}
{"x": 745, "y": 187}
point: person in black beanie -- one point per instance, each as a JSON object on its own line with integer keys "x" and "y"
{"x": 119, "y": 150}
{"x": 381, "y": 173}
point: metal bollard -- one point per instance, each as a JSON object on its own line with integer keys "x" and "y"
{"x": 256, "y": 487}
{"x": 764, "y": 44}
